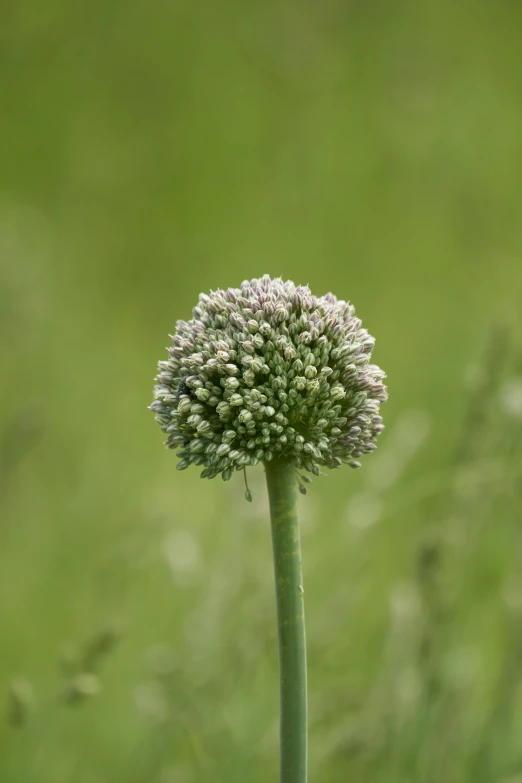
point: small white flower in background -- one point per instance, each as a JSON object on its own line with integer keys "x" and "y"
{"x": 511, "y": 397}
{"x": 405, "y": 604}
{"x": 177, "y": 774}
{"x": 151, "y": 701}
{"x": 364, "y": 510}
{"x": 183, "y": 555}
{"x": 408, "y": 690}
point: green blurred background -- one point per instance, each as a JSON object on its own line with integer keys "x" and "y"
{"x": 153, "y": 150}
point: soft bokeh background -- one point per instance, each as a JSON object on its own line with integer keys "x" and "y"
{"x": 151, "y": 150}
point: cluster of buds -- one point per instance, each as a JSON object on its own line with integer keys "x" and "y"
{"x": 269, "y": 371}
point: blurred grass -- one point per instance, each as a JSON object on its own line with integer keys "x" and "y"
{"x": 150, "y": 151}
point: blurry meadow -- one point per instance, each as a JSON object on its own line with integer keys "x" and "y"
{"x": 150, "y": 151}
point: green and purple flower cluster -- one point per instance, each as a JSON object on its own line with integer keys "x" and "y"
{"x": 266, "y": 371}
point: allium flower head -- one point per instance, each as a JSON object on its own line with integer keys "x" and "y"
{"x": 266, "y": 371}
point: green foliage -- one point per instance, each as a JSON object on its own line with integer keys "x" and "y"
{"x": 152, "y": 151}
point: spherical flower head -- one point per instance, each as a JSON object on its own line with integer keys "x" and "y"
{"x": 266, "y": 371}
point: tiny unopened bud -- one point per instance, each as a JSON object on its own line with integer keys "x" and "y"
{"x": 184, "y": 405}
{"x": 337, "y": 392}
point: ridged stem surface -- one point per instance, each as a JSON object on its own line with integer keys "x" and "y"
{"x": 282, "y": 492}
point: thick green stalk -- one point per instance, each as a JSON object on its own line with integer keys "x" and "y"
{"x": 282, "y": 492}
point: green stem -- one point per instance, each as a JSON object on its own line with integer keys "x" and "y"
{"x": 282, "y": 492}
